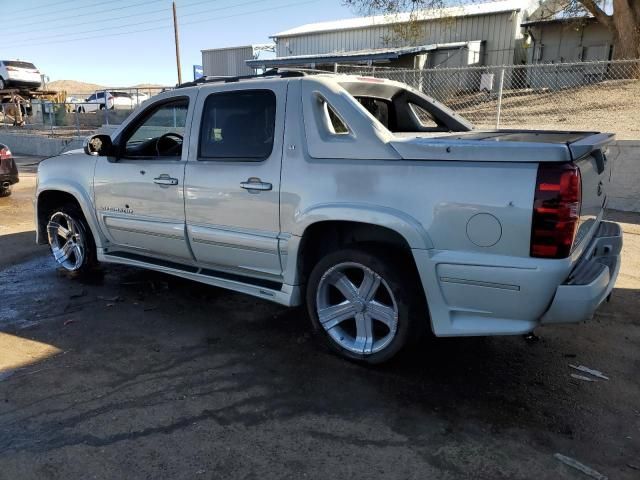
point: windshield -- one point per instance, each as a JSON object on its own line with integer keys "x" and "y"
{"x": 18, "y": 64}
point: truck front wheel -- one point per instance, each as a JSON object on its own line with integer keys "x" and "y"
{"x": 70, "y": 239}
{"x": 365, "y": 303}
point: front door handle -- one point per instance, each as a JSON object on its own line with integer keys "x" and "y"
{"x": 165, "y": 179}
{"x": 255, "y": 185}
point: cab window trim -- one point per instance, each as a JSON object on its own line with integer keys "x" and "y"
{"x": 143, "y": 116}
{"x": 238, "y": 159}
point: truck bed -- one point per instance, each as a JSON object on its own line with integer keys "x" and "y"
{"x": 499, "y": 145}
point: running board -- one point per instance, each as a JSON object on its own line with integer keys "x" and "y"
{"x": 283, "y": 294}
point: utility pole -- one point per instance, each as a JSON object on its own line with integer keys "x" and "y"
{"x": 175, "y": 32}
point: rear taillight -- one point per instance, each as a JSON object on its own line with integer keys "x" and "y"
{"x": 556, "y": 210}
{"x": 5, "y": 153}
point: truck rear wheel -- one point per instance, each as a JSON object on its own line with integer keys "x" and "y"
{"x": 70, "y": 239}
{"x": 364, "y": 304}
{"x": 5, "y": 191}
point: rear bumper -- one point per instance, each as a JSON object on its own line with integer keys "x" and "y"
{"x": 591, "y": 281}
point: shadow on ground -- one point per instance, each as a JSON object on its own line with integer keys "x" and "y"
{"x": 163, "y": 377}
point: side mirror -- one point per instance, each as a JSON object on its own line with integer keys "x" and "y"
{"x": 99, "y": 145}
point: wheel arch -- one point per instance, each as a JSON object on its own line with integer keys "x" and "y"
{"x": 330, "y": 227}
{"x": 51, "y": 198}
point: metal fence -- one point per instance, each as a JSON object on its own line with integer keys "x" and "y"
{"x": 603, "y": 96}
{"x": 79, "y": 114}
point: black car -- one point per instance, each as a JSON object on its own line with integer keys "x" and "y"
{"x": 8, "y": 171}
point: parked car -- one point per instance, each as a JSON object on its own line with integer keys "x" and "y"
{"x": 384, "y": 211}
{"x": 115, "y": 100}
{"x": 8, "y": 171}
{"x": 139, "y": 97}
{"x": 15, "y": 73}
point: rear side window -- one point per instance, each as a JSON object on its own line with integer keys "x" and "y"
{"x": 238, "y": 125}
{"x": 424, "y": 117}
{"x": 17, "y": 64}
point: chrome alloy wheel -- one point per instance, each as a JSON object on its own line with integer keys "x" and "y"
{"x": 362, "y": 319}
{"x": 67, "y": 241}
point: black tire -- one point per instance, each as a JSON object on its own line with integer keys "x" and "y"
{"x": 5, "y": 192}
{"x": 402, "y": 280}
{"x": 3, "y": 85}
{"x": 89, "y": 263}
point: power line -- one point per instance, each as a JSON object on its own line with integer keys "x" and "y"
{"x": 56, "y": 11}
{"x": 54, "y": 20}
{"x": 143, "y": 22}
{"x": 280, "y": 7}
{"x": 19, "y": 12}
{"x": 105, "y": 18}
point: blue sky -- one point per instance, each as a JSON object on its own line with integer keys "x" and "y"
{"x": 126, "y": 42}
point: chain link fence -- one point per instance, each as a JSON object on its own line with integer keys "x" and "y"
{"x": 603, "y": 96}
{"x": 78, "y": 115}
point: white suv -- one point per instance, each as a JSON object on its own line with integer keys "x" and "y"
{"x": 115, "y": 100}
{"x": 14, "y": 73}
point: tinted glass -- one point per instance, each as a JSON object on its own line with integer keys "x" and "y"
{"x": 167, "y": 118}
{"x": 13, "y": 63}
{"x": 238, "y": 125}
{"x": 376, "y": 107}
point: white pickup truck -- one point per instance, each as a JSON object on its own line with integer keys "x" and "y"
{"x": 380, "y": 208}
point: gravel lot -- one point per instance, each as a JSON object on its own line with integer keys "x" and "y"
{"x": 607, "y": 107}
{"x": 136, "y": 374}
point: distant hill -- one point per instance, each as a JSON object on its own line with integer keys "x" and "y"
{"x": 74, "y": 87}
{"x": 71, "y": 86}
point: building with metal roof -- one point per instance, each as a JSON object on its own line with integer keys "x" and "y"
{"x": 231, "y": 61}
{"x": 475, "y": 34}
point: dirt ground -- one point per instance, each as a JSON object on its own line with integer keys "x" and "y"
{"x": 616, "y": 104}
{"x": 136, "y": 374}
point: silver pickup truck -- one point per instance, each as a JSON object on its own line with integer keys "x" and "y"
{"x": 384, "y": 211}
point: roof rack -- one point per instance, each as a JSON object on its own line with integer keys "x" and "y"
{"x": 274, "y": 72}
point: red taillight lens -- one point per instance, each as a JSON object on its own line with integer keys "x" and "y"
{"x": 5, "y": 153}
{"x": 556, "y": 210}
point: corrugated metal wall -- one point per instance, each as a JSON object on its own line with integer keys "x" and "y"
{"x": 227, "y": 61}
{"x": 557, "y": 42}
{"x": 499, "y": 31}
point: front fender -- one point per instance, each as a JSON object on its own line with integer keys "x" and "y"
{"x": 82, "y": 196}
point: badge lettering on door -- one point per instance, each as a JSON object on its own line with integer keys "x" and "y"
{"x": 117, "y": 209}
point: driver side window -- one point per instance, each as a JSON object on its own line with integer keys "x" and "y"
{"x": 159, "y": 133}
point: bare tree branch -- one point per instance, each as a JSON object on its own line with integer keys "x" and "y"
{"x": 599, "y": 14}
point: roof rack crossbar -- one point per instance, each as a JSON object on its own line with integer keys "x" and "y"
{"x": 274, "y": 72}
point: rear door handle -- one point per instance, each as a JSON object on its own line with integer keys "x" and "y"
{"x": 165, "y": 179}
{"x": 255, "y": 185}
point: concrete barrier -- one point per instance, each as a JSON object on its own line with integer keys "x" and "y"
{"x": 39, "y": 145}
{"x": 625, "y": 181}
{"x": 624, "y": 193}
